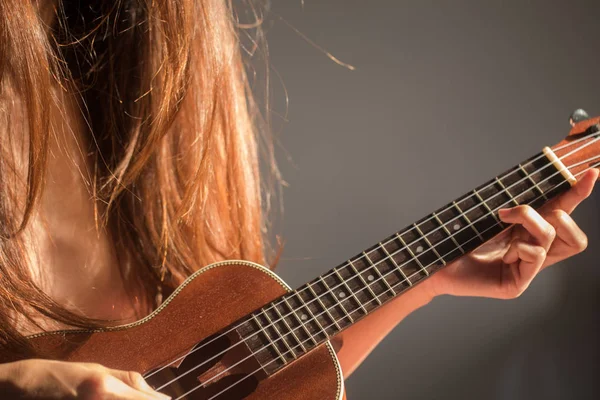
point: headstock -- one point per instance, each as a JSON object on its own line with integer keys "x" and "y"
{"x": 581, "y": 122}
{"x": 580, "y": 150}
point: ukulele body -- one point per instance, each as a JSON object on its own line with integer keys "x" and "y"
{"x": 207, "y": 302}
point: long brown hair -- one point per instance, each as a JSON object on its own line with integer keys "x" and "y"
{"x": 171, "y": 126}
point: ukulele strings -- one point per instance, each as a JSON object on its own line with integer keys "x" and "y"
{"x": 595, "y": 137}
{"x": 306, "y": 341}
{"x": 401, "y": 249}
{"x": 340, "y": 303}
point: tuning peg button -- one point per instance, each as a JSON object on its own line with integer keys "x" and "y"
{"x": 578, "y": 116}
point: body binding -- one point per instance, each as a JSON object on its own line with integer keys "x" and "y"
{"x": 208, "y": 301}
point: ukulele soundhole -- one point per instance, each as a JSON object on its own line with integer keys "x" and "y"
{"x": 219, "y": 367}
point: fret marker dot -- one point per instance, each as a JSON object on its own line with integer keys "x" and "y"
{"x": 456, "y": 227}
{"x": 303, "y": 317}
{"x": 419, "y": 249}
{"x": 342, "y": 295}
{"x": 370, "y": 277}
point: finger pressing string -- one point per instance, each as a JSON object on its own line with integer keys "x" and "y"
{"x": 531, "y": 258}
{"x": 579, "y": 192}
{"x": 382, "y": 277}
{"x": 464, "y": 212}
{"x": 567, "y": 230}
{"x": 595, "y": 136}
{"x": 532, "y": 221}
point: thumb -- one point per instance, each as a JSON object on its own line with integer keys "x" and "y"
{"x": 135, "y": 380}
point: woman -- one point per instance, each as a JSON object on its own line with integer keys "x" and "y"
{"x": 129, "y": 159}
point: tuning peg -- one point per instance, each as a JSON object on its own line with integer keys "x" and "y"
{"x": 578, "y": 116}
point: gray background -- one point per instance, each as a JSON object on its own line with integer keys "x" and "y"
{"x": 445, "y": 95}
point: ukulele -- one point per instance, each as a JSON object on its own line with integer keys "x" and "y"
{"x": 234, "y": 330}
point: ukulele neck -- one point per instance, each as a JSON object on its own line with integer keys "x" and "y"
{"x": 312, "y": 314}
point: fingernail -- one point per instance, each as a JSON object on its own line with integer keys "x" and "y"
{"x": 149, "y": 389}
{"x": 504, "y": 212}
{"x": 146, "y": 386}
{"x": 160, "y": 396}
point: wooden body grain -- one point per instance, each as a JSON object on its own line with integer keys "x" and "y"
{"x": 208, "y": 301}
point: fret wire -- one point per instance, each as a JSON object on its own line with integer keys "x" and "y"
{"x": 450, "y": 235}
{"x": 535, "y": 185}
{"x": 465, "y": 242}
{"x": 340, "y": 302}
{"x": 491, "y": 227}
{"x": 510, "y": 196}
{"x": 412, "y": 254}
{"x": 363, "y": 280}
{"x": 350, "y": 291}
{"x": 400, "y": 282}
{"x": 396, "y": 284}
{"x": 289, "y": 327}
{"x": 468, "y": 220}
{"x": 262, "y": 367}
{"x": 249, "y": 375}
{"x": 382, "y": 277}
{"x": 290, "y": 350}
{"x": 395, "y": 264}
{"x": 335, "y": 322}
{"x": 271, "y": 342}
{"x": 313, "y": 316}
{"x": 318, "y": 298}
{"x": 429, "y": 244}
{"x": 374, "y": 267}
{"x": 467, "y": 217}
{"x": 538, "y": 157}
{"x": 486, "y": 206}
{"x": 299, "y": 320}
{"x": 285, "y": 343}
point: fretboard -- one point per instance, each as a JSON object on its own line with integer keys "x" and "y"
{"x": 310, "y": 315}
